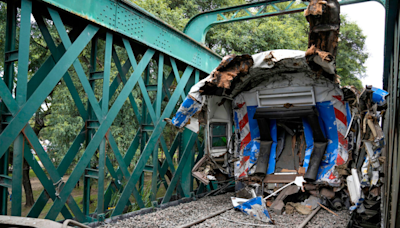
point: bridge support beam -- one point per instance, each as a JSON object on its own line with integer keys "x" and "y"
{"x": 125, "y": 65}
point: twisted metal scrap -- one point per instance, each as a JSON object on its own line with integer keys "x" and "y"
{"x": 231, "y": 67}
{"x": 324, "y": 20}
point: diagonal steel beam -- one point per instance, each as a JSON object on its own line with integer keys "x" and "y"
{"x": 176, "y": 73}
{"x": 54, "y": 174}
{"x": 118, "y": 174}
{"x": 122, "y": 79}
{"x": 102, "y": 130}
{"x": 61, "y": 169}
{"x": 34, "y": 142}
{"x": 47, "y": 184}
{"x": 152, "y": 141}
{"x": 96, "y": 108}
{"x": 77, "y": 65}
{"x": 22, "y": 117}
{"x": 177, "y": 175}
{"x": 122, "y": 71}
{"x": 142, "y": 86}
{"x": 123, "y": 168}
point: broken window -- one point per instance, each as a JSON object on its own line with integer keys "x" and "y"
{"x": 218, "y": 135}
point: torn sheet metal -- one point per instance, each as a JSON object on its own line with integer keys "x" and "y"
{"x": 236, "y": 201}
{"x": 193, "y": 125}
{"x": 247, "y": 163}
{"x": 188, "y": 108}
{"x": 379, "y": 96}
{"x": 268, "y": 59}
{"x": 371, "y": 166}
{"x": 256, "y": 208}
{"x": 199, "y": 173}
{"x": 216, "y": 83}
{"x": 333, "y": 117}
{"x": 231, "y": 67}
{"x": 249, "y": 136}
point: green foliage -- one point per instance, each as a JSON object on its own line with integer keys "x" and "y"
{"x": 145, "y": 194}
{"x": 113, "y": 202}
{"x": 280, "y": 32}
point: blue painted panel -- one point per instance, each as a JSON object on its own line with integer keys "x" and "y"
{"x": 254, "y": 130}
{"x": 328, "y": 118}
{"x": 272, "y": 156}
{"x": 309, "y": 142}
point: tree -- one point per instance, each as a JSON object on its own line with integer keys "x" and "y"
{"x": 351, "y": 56}
{"x": 288, "y": 31}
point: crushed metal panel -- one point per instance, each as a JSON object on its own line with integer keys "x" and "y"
{"x": 324, "y": 19}
{"x": 256, "y": 208}
{"x": 201, "y": 175}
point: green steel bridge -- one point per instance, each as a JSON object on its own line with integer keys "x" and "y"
{"x": 122, "y": 24}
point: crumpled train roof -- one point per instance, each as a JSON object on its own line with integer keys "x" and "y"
{"x": 271, "y": 63}
{"x": 237, "y": 73}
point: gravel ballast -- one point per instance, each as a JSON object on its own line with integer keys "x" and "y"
{"x": 189, "y": 212}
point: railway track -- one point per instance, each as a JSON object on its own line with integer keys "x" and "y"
{"x": 186, "y": 213}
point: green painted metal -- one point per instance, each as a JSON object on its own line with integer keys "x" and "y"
{"x": 102, "y": 130}
{"x": 132, "y": 21}
{"x": 198, "y": 26}
{"x": 152, "y": 140}
{"x": 22, "y": 81}
{"x": 187, "y": 153}
{"x": 391, "y": 80}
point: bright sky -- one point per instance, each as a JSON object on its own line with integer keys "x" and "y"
{"x": 370, "y": 17}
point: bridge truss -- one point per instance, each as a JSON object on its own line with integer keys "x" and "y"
{"x": 151, "y": 46}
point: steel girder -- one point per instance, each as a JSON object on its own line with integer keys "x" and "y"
{"x": 199, "y": 25}
{"x": 391, "y": 81}
{"x": 144, "y": 56}
{"x": 132, "y": 21}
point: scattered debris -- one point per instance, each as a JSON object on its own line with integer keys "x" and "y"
{"x": 311, "y": 202}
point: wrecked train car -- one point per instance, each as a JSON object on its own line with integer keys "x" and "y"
{"x": 269, "y": 118}
{"x": 281, "y": 117}
{"x": 270, "y": 115}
